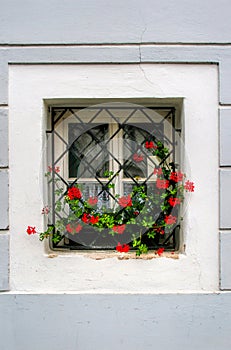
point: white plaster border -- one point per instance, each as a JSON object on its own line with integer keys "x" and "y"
{"x": 29, "y": 86}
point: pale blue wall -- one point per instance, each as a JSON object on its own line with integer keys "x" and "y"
{"x": 125, "y": 322}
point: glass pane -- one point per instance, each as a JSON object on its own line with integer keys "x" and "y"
{"x": 83, "y": 162}
{"x": 133, "y": 138}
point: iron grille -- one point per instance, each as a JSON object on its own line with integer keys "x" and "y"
{"x": 86, "y": 143}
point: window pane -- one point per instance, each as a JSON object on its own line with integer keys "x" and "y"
{"x": 82, "y": 161}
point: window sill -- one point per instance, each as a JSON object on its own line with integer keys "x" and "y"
{"x": 100, "y": 255}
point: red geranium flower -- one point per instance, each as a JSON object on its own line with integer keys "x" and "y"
{"x": 150, "y": 145}
{"x": 45, "y": 210}
{"x": 92, "y": 201}
{"x": 55, "y": 169}
{"x": 31, "y": 230}
{"x": 158, "y": 229}
{"x": 85, "y": 218}
{"x": 122, "y": 248}
{"x": 78, "y": 228}
{"x": 138, "y": 158}
{"x": 69, "y": 228}
{"x": 74, "y": 193}
{"x": 170, "y": 219}
{"x": 160, "y": 251}
{"x": 119, "y": 228}
{"x": 94, "y": 219}
{"x": 173, "y": 201}
{"x": 125, "y": 201}
{"x": 189, "y": 186}
{"x": 162, "y": 183}
{"x": 158, "y": 171}
{"x": 176, "y": 176}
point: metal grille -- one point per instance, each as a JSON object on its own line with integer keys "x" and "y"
{"x": 80, "y": 151}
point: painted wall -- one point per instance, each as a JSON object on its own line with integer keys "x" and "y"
{"x": 115, "y": 321}
{"x": 197, "y": 266}
{"x": 80, "y": 32}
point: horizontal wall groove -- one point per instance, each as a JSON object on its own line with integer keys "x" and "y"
{"x": 143, "y": 43}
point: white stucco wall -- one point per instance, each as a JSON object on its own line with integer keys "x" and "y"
{"x": 29, "y": 86}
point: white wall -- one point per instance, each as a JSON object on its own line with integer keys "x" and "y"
{"x": 31, "y": 269}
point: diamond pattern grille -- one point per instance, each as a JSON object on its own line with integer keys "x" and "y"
{"x": 77, "y": 132}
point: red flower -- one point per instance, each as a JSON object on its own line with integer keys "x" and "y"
{"x": 122, "y": 248}
{"x": 160, "y": 251}
{"x": 169, "y": 220}
{"x": 30, "y": 230}
{"x": 74, "y": 193}
{"x": 150, "y": 145}
{"x": 69, "y": 228}
{"x": 158, "y": 171}
{"x": 136, "y": 213}
{"x": 158, "y": 229}
{"x": 176, "y": 176}
{"x": 85, "y": 218}
{"x": 92, "y": 201}
{"x": 125, "y": 201}
{"x": 189, "y": 186}
{"x": 119, "y": 228}
{"x": 78, "y": 228}
{"x": 138, "y": 158}
{"x": 45, "y": 210}
{"x": 94, "y": 219}
{"x": 173, "y": 201}
{"x": 162, "y": 183}
{"x": 55, "y": 169}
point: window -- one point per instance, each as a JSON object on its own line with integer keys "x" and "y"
{"x": 107, "y": 152}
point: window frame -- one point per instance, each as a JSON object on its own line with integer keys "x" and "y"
{"x": 170, "y": 113}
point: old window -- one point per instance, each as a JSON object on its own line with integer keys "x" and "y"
{"x": 108, "y": 153}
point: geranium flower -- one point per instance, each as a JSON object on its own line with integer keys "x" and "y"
{"x": 94, "y": 219}
{"x": 170, "y": 219}
{"x": 189, "y": 186}
{"x": 92, "y": 201}
{"x": 162, "y": 183}
{"x": 173, "y": 201}
{"x": 137, "y": 158}
{"x": 125, "y": 201}
{"x": 74, "y": 193}
{"x": 160, "y": 251}
{"x": 122, "y": 248}
{"x": 119, "y": 228}
{"x": 176, "y": 176}
{"x": 158, "y": 171}
{"x": 158, "y": 229}
{"x": 45, "y": 210}
{"x": 69, "y": 228}
{"x": 85, "y": 218}
{"x": 150, "y": 145}
{"x": 31, "y": 230}
{"x": 78, "y": 228}
{"x": 55, "y": 169}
